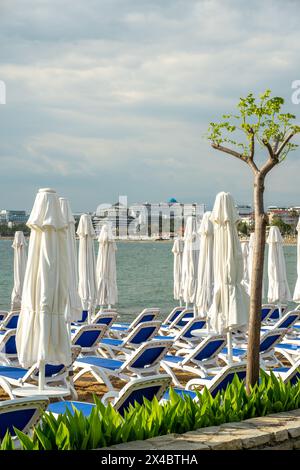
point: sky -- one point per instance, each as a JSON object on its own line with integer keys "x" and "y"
{"x": 109, "y": 97}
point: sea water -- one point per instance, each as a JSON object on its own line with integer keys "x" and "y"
{"x": 144, "y": 275}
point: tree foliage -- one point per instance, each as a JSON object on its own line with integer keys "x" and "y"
{"x": 257, "y": 121}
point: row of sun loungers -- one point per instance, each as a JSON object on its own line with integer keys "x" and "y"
{"x": 138, "y": 352}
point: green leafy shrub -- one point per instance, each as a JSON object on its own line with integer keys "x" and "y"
{"x": 106, "y": 427}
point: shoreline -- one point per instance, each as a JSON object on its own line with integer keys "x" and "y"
{"x": 288, "y": 242}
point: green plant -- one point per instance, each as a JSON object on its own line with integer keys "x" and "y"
{"x": 106, "y": 427}
{"x": 285, "y": 229}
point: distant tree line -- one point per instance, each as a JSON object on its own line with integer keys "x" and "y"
{"x": 6, "y": 231}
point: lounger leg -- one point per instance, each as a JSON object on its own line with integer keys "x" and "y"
{"x": 172, "y": 374}
{"x": 6, "y": 387}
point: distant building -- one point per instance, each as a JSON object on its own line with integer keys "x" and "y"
{"x": 246, "y": 214}
{"x": 13, "y": 217}
{"x": 118, "y": 216}
{"x": 288, "y": 215}
{"x": 146, "y": 220}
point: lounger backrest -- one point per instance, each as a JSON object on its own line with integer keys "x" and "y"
{"x": 8, "y": 343}
{"x": 148, "y": 355}
{"x": 3, "y": 315}
{"x": 136, "y": 390}
{"x": 186, "y": 314}
{"x": 173, "y": 315}
{"x": 270, "y": 339}
{"x": 21, "y": 413}
{"x": 89, "y": 335}
{"x": 193, "y": 324}
{"x": 105, "y": 318}
{"x": 293, "y": 374}
{"x": 11, "y": 321}
{"x": 148, "y": 314}
{"x": 84, "y": 316}
{"x": 225, "y": 377}
{"x": 207, "y": 349}
{"x": 52, "y": 370}
{"x": 266, "y": 311}
{"x": 288, "y": 320}
{"x": 275, "y": 314}
{"x": 142, "y": 332}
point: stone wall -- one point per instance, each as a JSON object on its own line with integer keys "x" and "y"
{"x": 276, "y": 431}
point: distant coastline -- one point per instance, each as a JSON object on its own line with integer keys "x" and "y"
{"x": 286, "y": 241}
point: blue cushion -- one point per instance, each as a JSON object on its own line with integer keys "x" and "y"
{"x": 280, "y": 369}
{"x": 148, "y": 357}
{"x": 17, "y": 418}
{"x": 60, "y": 407}
{"x": 209, "y": 350}
{"x": 162, "y": 337}
{"x": 175, "y": 359}
{"x": 101, "y": 362}
{"x": 235, "y": 351}
{"x": 119, "y": 328}
{"x": 293, "y": 347}
{"x": 12, "y": 372}
{"x": 181, "y": 392}
{"x": 111, "y": 342}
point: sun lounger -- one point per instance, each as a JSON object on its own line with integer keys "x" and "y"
{"x": 14, "y": 377}
{"x": 133, "y": 392}
{"x": 288, "y": 374}
{"x": 145, "y": 360}
{"x": 179, "y": 321}
{"x": 184, "y": 338}
{"x": 268, "y": 341}
{"x": 142, "y": 333}
{"x": 123, "y": 328}
{"x": 21, "y": 413}
{"x": 88, "y": 338}
{"x": 286, "y": 321}
{"x": 10, "y": 321}
{"x": 199, "y": 361}
{"x": 8, "y": 348}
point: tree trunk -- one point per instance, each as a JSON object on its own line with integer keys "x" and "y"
{"x": 256, "y": 282}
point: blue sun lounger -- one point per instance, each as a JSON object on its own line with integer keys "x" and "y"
{"x": 143, "y": 332}
{"x": 268, "y": 342}
{"x": 88, "y": 338}
{"x": 144, "y": 360}
{"x": 8, "y": 348}
{"x": 133, "y": 392}
{"x": 21, "y": 413}
{"x": 288, "y": 374}
{"x": 213, "y": 383}
{"x": 123, "y": 328}
{"x": 201, "y": 360}
{"x": 15, "y": 377}
{"x": 184, "y": 338}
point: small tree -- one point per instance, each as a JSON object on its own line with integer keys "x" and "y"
{"x": 285, "y": 229}
{"x": 243, "y": 228}
{"x": 257, "y": 123}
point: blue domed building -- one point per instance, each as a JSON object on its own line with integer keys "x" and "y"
{"x": 172, "y": 200}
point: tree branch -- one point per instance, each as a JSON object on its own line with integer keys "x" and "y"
{"x": 252, "y": 145}
{"x": 235, "y": 154}
{"x": 270, "y": 163}
{"x": 245, "y": 158}
{"x": 270, "y": 150}
{"x": 288, "y": 138}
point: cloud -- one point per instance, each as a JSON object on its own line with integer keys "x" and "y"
{"x": 114, "y": 97}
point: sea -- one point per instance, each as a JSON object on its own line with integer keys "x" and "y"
{"x": 144, "y": 275}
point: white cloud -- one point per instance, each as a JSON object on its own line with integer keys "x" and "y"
{"x": 128, "y": 88}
